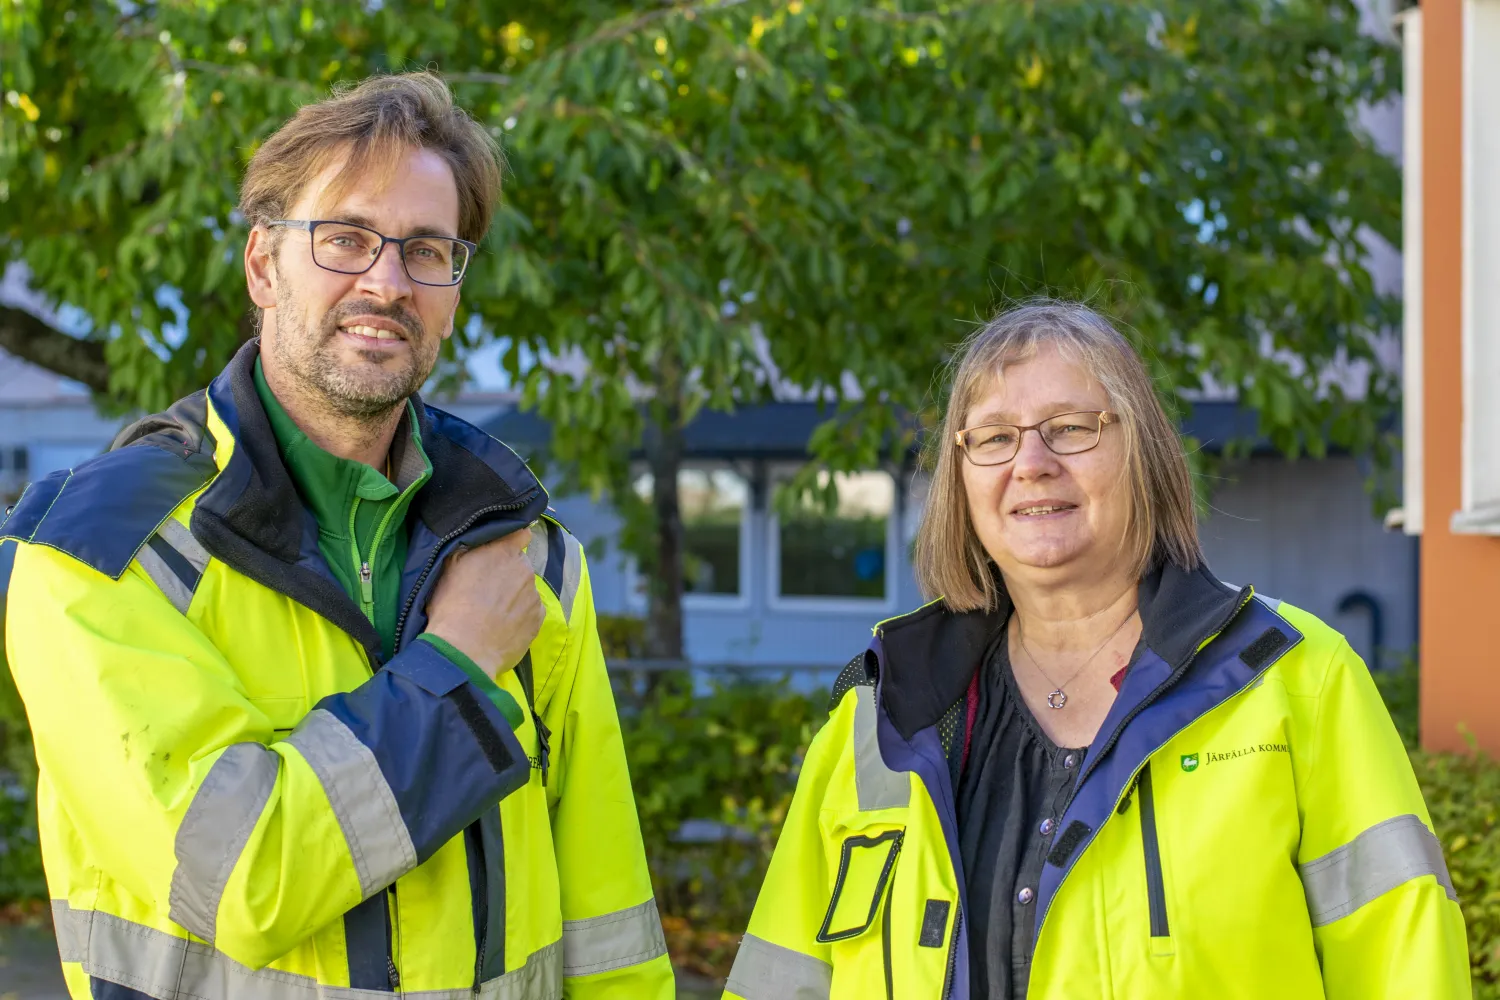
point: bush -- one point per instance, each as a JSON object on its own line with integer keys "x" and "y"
{"x": 20, "y": 853}
{"x": 1463, "y": 795}
{"x": 713, "y": 771}
{"x": 1399, "y": 688}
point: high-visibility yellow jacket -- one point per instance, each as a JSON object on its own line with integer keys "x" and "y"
{"x": 240, "y": 801}
{"x": 1246, "y": 824}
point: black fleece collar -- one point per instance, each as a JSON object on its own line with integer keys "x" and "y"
{"x": 930, "y": 655}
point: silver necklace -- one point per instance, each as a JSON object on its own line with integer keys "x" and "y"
{"x": 1058, "y": 698}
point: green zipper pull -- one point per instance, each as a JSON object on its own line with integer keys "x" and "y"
{"x": 366, "y": 588}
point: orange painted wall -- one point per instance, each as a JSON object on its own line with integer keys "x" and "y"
{"x": 1460, "y": 600}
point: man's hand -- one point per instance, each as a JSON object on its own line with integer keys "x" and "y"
{"x": 486, "y": 603}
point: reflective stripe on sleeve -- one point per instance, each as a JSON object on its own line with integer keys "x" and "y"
{"x": 159, "y": 964}
{"x": 379, "y": 841}
{"x": 1388, "y": 854}
{"x": 877, "y": 785}
{"x": 766, "y": 971}
{"x": 536, "y": 549}
{"x": 72, "y": 933}
{"x": 613, "y": 941}
{"x": 557, "y": 557}
{"x": 572, "y": 574}
{"x": 175, "y": 561}
{"x": 214, "y": 833}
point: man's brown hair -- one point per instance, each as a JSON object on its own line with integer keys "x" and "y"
{"x": 376, "y": 122}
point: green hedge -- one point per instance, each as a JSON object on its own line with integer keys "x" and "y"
{"x": 20, "y": 856}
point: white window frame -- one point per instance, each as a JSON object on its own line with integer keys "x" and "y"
{"x": 1480, "y": 512}
{"x": 830, "y": 605}
{"x": 1409, "y": 24}
{"x": 635, "y": 594}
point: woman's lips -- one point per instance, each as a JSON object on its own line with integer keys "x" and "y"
{"x": 1043, "y": 509}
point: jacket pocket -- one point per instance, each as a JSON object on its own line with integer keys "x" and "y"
{"x": 1156, "y": 888}
{"x": 865, "y": 866}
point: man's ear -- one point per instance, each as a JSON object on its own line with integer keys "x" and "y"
{"x": 452, "y": 315}
{"x": 260, "y": 269}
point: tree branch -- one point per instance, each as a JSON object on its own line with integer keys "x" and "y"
{"x": 31, "y": 339}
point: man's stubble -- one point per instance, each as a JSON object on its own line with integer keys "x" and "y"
{"x": 310, "y": 358}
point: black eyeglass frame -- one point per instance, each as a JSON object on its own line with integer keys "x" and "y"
{"x": 309, "y": 225}
{"x": 1106, "y": 417}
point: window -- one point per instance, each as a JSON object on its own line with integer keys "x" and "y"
{"x": 713, "y": 504}
{"x": 841, "y": 554}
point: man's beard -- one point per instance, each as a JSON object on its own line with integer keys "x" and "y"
{"x": 359, "y": 391}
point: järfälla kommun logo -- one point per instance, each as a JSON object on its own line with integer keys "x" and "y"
{"x": 1192, "y": 761}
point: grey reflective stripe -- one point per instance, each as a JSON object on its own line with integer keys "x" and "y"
{"x": 1381, "y": 858}
{"x": 540, "y": 978}
{"x": 766, "y": 971}
{"x": 175, "y": 561}
{"x": 1271, "y": 602}
{"x": 878, "y": 786}
{"x": 536, "y": 549}
{"x": 613, "y": 941}
{"x": 572, "y": 573}
{"x": 364, "y": 804}
{"x": 168, "y": 967}
{"x": 72, "y": 930}
{"x": 538, "y": 553}
{"x": 214, "y": 832}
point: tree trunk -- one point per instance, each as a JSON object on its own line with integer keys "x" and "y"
{"x": 664, "y": 453}
{"x": 30, "y": 339}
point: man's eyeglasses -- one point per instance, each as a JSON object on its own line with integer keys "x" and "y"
{"x": 1064, "y": 434}
{"x": 350, "y": 249}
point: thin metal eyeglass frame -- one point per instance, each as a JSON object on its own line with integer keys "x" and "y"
{"x": 960, "y": 438}
{"x": 308, "y": 225}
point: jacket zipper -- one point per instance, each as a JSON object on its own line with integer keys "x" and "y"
{"x": 885, "y": 941}
{"x": 393, "y": 922}
{"x": 361, "y": 563}
{"x": 411, "y": 597}
{"x": 1156, "y": 892}
{"x": 885, "y": 920}
{"x": 479, "y": 887}
{"x": 958, "y": 924}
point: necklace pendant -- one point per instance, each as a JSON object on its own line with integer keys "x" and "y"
{"x": 1057, "y": 699}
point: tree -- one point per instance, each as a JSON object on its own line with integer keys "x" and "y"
{"x": 707, "y": 201}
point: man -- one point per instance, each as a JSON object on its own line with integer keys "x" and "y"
{"x": 315, "y": 684}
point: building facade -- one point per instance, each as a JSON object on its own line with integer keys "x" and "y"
{"x": 1452, "y": 372}
{"x": 804, "y": 590}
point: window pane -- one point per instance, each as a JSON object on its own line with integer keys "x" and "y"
{"x": 840, "y": 554}
{"x": 712, "y": 503}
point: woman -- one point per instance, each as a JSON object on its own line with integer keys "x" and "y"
{"x": 1090, "y": 768}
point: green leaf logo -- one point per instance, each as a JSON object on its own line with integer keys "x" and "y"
{"x": 1190, "y": 762}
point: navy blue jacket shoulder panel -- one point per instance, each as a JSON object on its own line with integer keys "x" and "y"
{"x": 496, "y": 456}
{"x": 104, "y": 510}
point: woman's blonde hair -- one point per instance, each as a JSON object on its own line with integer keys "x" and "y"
{"x": 949, "y": 560}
